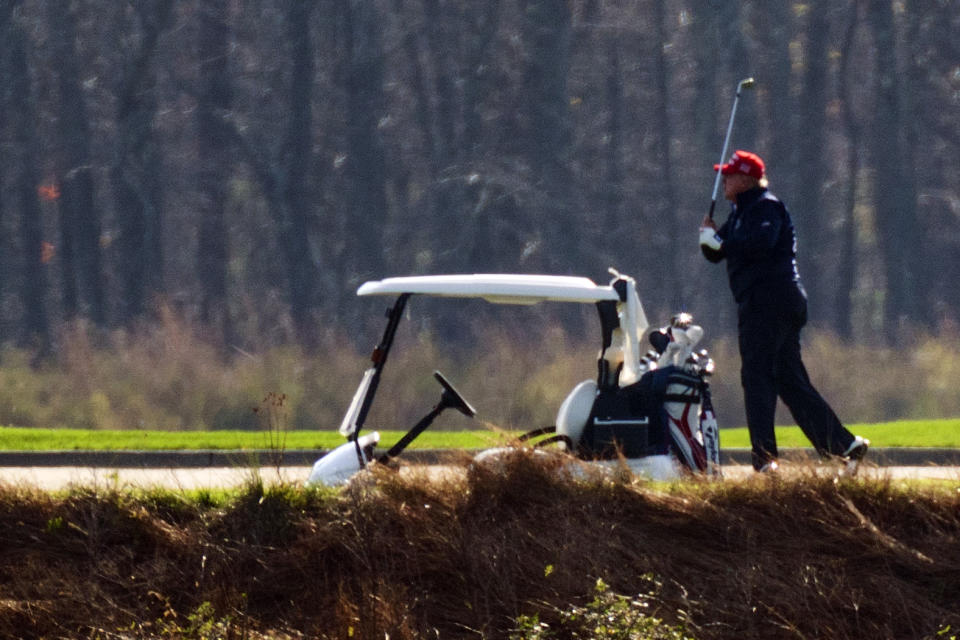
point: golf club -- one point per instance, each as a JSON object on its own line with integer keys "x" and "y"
{"x": 746, "y": 83}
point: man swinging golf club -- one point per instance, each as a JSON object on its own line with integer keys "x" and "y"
{"x": 758, "y": 242}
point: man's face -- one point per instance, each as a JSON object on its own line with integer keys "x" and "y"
{"x": 735, "y": 184}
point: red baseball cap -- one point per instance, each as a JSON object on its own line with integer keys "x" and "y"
{"x": 749, "y": 164}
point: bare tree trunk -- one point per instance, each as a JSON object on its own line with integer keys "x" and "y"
{"x": 894, "y": 197}
{"x": 284, "y": 175}
{"x": 706, "y": 43}
{"x": 135, "y": 174}
{"x": 5, "y": 263}
{"x": 458, "y": 37}
{"x": 213, "y": 140}
{"x": 441, "y": 34}
{"x": 734, "y": 53}
{"x": 673, "y": 274}
{"x": 366, "y": 163}
{"x": 547, "y": 36}
{"x": 80, "y": 256}
{"x": 483, "y": 19}
{"x": 775, "y": 26}
{"x": 810, "y": 205}
{"x": 847, "y": 263}
{"x": 34, "y": 323}
{"x": 295, "y": 227}
{"x": 467, "y": 196}
{"x": 918, "y": 273}
{"x": 433, "y": 204}
{"x": 613, "y": 202}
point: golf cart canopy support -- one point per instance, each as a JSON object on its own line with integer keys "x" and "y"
{"x": 623, "y": 321}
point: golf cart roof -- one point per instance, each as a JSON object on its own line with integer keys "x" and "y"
{"x": 500, "y": 288}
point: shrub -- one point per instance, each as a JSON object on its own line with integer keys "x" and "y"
{"x": 516, "y": 373}
{"x": 607, "y": 615}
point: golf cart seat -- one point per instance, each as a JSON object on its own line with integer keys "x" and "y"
{"x": 574, "y": 413}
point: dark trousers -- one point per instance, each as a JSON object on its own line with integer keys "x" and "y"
{"x": 769, "y": 323}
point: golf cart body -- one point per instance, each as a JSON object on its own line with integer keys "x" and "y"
{"x": 650, "y": 408}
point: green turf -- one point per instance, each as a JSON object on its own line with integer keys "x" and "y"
{"x": 29, "y": 439}
{"x": 904, "y": 433}
{"x": 917, "y": 433}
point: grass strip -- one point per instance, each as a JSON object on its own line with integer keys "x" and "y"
{"x": 34, "y": 439}
{"x": 903, "y": 433}
{"x": 907, "y": 433}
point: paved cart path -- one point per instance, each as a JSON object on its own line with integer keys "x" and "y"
{"x": 56, "y": 478}
{"x": 53, "y": 470}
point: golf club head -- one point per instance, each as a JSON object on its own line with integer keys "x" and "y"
{"x": 659, "y": 340}
{"x": 746, "y": 83}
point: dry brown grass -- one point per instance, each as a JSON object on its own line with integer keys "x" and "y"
{"x": 412, "y": 556}
{"x": 516, "y": 372}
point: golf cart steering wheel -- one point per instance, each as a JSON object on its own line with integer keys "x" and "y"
{"x": 451, "y": 398}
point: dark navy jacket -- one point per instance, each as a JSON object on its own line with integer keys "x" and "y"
{"x": 759, "y": 244}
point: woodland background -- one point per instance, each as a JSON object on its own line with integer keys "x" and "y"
{"x": 241, "y": 166}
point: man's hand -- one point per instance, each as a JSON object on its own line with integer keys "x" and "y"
{"x": 711, "y": 245}
{"x": 709, "y": 237}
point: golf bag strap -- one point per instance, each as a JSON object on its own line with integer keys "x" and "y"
{"x": 537, "y": 432}
{"x": 679, "y": 397}
{"x": 560, "y": 437}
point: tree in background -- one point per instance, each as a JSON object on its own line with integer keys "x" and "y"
{"x": 250, "y": 164}
{"x": 81, "y": 279}
{"x": 214, "y": 98}
{"x": 809, "y": 200}
{"x": 546, "y": 32}
{"x": 894, "y": 198}
{"x": 365, "y": 163}
{"x": 136, "y": 168}
{"x": 21, "y": 105}
{"x": 847, "y": 263}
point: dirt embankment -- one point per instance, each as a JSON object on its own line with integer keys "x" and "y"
{"x": 799, "y": 556}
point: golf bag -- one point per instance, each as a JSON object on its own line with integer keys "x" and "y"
{"x": 663, "y": 413}
{"x": 666, "y": 412}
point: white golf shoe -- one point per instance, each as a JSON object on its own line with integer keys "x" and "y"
{"x": 854, "y": 454}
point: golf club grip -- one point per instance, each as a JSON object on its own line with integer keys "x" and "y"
{"x": 713, "y": 205}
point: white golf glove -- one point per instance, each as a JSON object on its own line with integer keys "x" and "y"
{"x": 710, "y": 239}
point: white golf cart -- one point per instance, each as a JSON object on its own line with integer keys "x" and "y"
{"x": 651, "y": 409}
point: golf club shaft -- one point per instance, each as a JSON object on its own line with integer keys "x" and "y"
{"x": 746, "y": 82}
